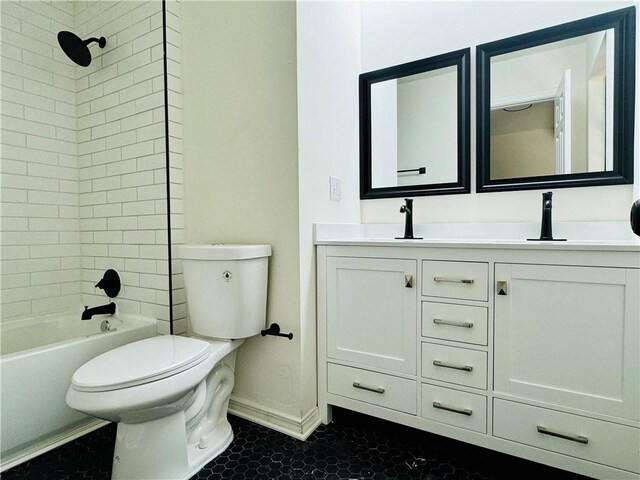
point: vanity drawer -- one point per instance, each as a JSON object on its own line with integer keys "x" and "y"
{"x": 372, "y": 387}
{"x": 464, "y": 280}
{"x": 460, "y": 323}
{"x": 582, "y": 437}
{"x": 453, "y": 407}
{"x": 455, "y": 365}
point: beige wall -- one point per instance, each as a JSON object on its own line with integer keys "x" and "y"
{"x": 241, "y": 170}
{"x": 512, "y": 155}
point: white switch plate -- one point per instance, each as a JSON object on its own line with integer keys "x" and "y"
{"x": 335, "y": 189}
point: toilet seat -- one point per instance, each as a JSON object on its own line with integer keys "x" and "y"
{"x": 154, "y": 398}
{"x": 141, "y": 362}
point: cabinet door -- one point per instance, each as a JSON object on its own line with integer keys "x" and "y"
{"x": 372, "y": 312}
{"x": 569, "y": 336}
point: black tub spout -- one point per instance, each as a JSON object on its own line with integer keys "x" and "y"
{"x": 108, "y": 309}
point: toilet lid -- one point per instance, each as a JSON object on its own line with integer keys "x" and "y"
{"x": 140, "y": 362}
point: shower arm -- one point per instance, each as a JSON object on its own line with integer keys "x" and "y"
{"x": 100, "y": 41}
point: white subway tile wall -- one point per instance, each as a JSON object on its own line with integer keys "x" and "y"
{"x": 116, "y": 131}
{"x": 41, "y": 268}
{"x": 84, "y": 178}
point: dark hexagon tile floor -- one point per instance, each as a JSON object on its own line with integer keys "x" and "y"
{"x": 353, "y": 447}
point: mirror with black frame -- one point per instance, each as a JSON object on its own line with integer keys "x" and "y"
{"x": 414, "y": 128}
{"x": 555, "y": 107}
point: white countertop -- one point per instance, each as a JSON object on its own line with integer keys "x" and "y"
{"x": 580, "y": 235}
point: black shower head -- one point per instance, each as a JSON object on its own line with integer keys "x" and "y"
{"x": 76, "y": 48}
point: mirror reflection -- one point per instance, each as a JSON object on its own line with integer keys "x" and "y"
{"x": 552, "y": 108}
{"x": 414, "y": 129}
{"x": 556, "y": 106}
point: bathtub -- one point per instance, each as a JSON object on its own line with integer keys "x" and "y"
{"x": 39, "y": 356}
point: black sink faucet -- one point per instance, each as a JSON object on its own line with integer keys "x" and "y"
{"x": 545, "y": 227}
{"x": 108, "y": 309}
{"x": 407, "y": 209}
{"x": 546, "y": 224}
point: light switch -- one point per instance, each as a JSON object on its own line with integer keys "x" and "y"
{"x": 335, "y": 189}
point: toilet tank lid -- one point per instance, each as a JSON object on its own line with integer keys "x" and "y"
{"x": 222, "y": 251}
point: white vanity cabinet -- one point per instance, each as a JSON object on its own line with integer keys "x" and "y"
{"x": 371, "y": 312}
{"x": 528, "y": 349}
{"x": 569, "y": 336}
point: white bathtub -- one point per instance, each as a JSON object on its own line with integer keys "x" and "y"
{"x": 39, "y": 356}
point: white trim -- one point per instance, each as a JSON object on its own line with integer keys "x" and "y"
{"x": 291, "y": 425}
{"x": 517, "y": 100}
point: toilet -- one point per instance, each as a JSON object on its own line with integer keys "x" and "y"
{"x": 169, "y": 394}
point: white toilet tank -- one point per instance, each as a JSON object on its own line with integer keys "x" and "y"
{"x": 226, "y": 288}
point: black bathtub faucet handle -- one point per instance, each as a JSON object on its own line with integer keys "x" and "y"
{"x": 110, "y": 283}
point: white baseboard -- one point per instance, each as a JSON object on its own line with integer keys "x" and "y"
{"x": 293, "y": 426}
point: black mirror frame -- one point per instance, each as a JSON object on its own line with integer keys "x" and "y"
{"x": 459, "y": 59}
{"x": 623, "y": 23}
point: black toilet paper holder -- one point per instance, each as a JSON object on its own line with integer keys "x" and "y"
{"x": 274, "y": 329}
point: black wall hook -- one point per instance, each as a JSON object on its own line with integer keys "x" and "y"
{"x": 274, "y": 329}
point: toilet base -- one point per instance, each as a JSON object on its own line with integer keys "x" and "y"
{"x": 158, "y": 450}
{"x": 177, "y": 446}
{"x": 198, "y": 458}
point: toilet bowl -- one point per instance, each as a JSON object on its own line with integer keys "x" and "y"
{"x": 169, "y": 394}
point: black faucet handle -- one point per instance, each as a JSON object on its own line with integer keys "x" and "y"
{"x": 110, "y": 283}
